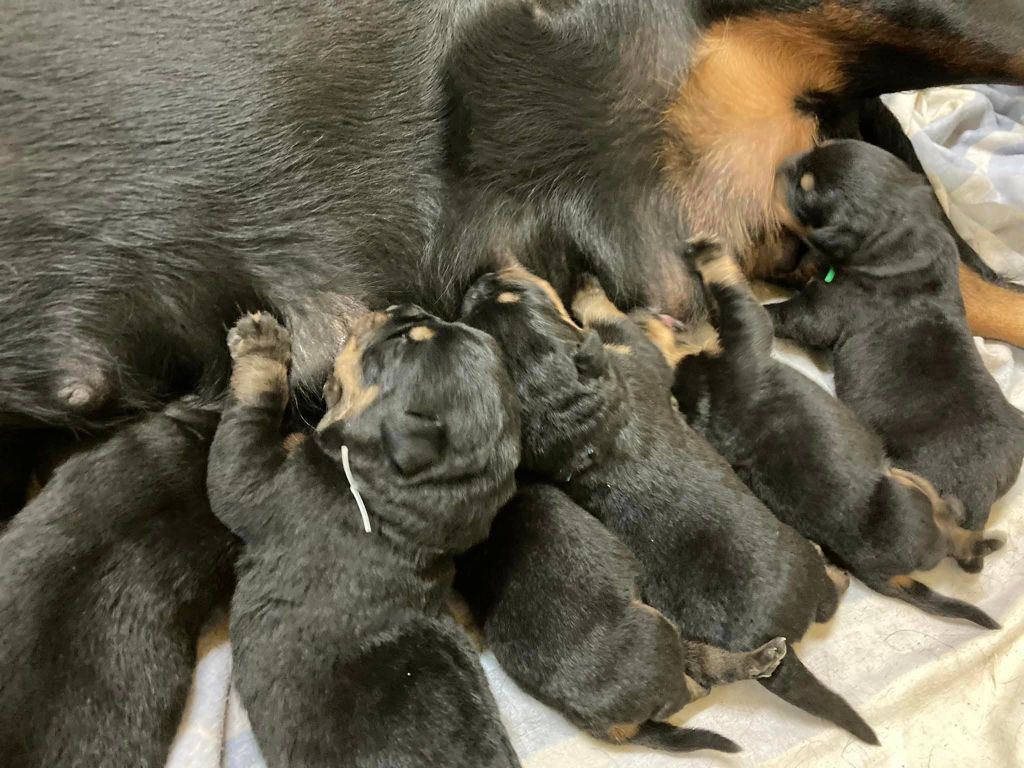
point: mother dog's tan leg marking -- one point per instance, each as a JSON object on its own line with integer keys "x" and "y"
{"x": 992, "y": 311}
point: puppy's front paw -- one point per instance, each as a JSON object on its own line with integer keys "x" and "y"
{"x": 767, "y": 658}
{"x": 699, "y": 251}
{"x": 258, "y": 334}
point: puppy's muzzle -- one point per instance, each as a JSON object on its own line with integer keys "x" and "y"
{"x": 481, "y": 291}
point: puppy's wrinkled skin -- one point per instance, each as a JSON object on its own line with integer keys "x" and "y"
{"x": 808, "y": 458}
{"x": 712, "y": 558}
{"x": 905, "y": 362}
{"x": 106, "y": 579}
{"x": 344, "y": 652}
{"x": 550, "y": 574}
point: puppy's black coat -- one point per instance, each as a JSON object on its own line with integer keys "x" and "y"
{"x": 809, "y": 459}
{"x": 344, "y": 655}
{"x": 904, "y": 359}
{"x": 556, "y": 594}
{"x": 713, "y": 559}
{"x": 106, "y": 578}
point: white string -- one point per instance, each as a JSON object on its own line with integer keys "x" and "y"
{"x": 355, "y": 491}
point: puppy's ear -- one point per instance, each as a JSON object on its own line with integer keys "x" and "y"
{"x": 835, "y": 241}
{"x": 591, "y": 361}
{"x": 332, "y": 392}
{"x": 412, "y": 441}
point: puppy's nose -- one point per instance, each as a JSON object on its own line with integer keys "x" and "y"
{"x": 480, "y": 291}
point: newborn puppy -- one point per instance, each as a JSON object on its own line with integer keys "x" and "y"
{"x": 597, "y": 416}
{"x": 344, "y": 653}
{"x": 808, "y": 458}
{"x": 892, "y": 315}
{"x": 556, "y": 594}
{"x": 106, "y": 579}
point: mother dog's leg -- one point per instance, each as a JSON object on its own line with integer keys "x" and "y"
{"x": 105, "y": 580}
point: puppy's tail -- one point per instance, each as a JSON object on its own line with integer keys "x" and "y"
{"x": 794, "y": 683}
{"x": 929, "y": 601}
{"x": 668, "y": 738}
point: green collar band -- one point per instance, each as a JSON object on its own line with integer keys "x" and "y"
{"x": 831, "y": 275}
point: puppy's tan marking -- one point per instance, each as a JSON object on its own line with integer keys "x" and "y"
{"x": 348, "y": 371}
{"x": 508, "y": 297}
{"x": 524, "y": 275}
{"x": 459, "y": 610}
{"x": 695, "y": 689}
{"x": 963, "y": 545}
{"x": 675, "y": 345}
{"x": 619, "y": 349}
{"x": 421, "y": 333}
{"x": 591, "y": 304}
{"x": 293, "y": 441}
{"x": 254, "y": 379}
{"x": 807, "y": 182}
{"x": 720, "y": 270}
{"x": 839, "y": 577}
{"x": 623, "y": 732}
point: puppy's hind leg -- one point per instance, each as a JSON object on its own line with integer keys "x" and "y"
{"x": 247, "y": 450}
{"x": 968, "y": 547}
{"x": 710, "y": 666}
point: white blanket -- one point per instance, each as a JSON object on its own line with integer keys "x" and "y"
{"x": 939, "y": 693}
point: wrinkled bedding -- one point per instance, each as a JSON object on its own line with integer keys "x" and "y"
{"x": 939, "y": 693}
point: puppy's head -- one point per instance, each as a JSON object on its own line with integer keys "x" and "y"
{"x": 847, "y": 198}
{"x": 568, "y": 389}
{"x": 430, "y": 419}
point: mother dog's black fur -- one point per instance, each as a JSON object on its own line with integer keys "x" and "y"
{"x": 165, "y": 166}
{"x": 343, "y": 653}
{"x": 905, "y": 361}
{"x": 713, "y": 559}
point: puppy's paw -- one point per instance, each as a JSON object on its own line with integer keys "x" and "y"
{"x": 767, "y": 658}
{"x": 258, "y": 334}
{"x": 701, "y": 250}
{"x": 591, "y": 304}
{"x": 986, "y": 543}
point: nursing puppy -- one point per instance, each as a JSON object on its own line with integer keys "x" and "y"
{"x": 808, "y": 458}
{"x": 556, "y": 594}
{"x": 106, "y": 579}
{"x": 344, "y": 654}
{"x": 893, "y": 317}
{"x": 598, "y": 417}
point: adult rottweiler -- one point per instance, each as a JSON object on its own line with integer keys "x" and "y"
{"x": 892, "y": 315}
{"x": 344, "y": 654}
{"x": 165, "y": 166}
{"x": 806, "y": 455}
{"x": 598, "y": 418}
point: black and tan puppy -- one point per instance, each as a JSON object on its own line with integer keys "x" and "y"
{"x": 892, "y": 315}
{"x": 106, "y": 579}
{"x": 808, "y": 458}
{"x": 344, "y": 654}
{"x": 598, "y": 416}
{"x": 556, "y": 594}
